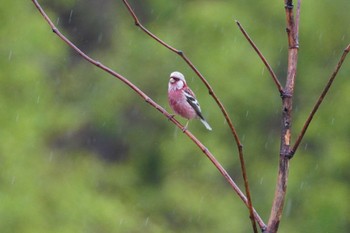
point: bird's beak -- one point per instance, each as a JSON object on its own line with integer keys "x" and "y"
{"x": 172, "y": 80}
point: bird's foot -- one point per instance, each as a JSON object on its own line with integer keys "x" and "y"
{"x": 185, "y": 127}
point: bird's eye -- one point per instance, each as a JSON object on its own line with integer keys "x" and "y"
{"x": 173, "y": 80}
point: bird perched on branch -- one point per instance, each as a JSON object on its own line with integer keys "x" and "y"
{"x": 182, "y": 99}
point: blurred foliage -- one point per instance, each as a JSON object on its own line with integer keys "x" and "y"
{"x": 80, "y": 152}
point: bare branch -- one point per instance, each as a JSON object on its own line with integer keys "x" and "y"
{"x": 273, "y": 75}
{"x": 297, "y": 20}
{"x": 287, "y": 103}
{"x": 138, "y": 24}
{"x": 320, "y": 99}
{"x": 218, "y": 102}
{"x": 156, "y": 106}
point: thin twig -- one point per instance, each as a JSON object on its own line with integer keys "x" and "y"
{"x": 156, "y": 106}
{"x": 272, "y": 73}
{"x": 287, "y": 102}
{"x": 297, "y": 20}
{"x": 218, "y": 102}
{"x": 320, "y": 99}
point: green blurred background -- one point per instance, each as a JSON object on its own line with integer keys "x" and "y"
{"x": 81, "y": 152}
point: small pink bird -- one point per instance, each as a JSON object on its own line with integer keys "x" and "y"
{"x": 182, "y": 99}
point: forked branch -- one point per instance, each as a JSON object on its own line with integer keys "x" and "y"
{"x": 218, "y": 102}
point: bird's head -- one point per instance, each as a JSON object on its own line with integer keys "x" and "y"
{"x": 176, "y": 81}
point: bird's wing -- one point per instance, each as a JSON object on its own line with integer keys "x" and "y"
{"x": 191, "y": 99}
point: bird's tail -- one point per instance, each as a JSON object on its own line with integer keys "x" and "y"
{"x": 205, "y": 123}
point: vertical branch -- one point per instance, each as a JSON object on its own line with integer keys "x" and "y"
{"x": 287, "y": 102}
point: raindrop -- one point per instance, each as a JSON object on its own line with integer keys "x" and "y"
{"x": 321, "y": 36}
{"x": 261, "y": 180}
{"x": 201, "y": 200}
{"x": 246, "y": 114}
{"x": 121, "y": 221}
{"x": 234, "y": 40}
{"x": 147, "y": 220}
{"x": 266, "y": 145}
{"x": 58, "y": 20}
{"x": 99, "y": 39}
{"x": 13, "y": 180}
{"x": 332, "y": 122}
{"x": 305, "y": 147}
{"x": 175, "y": 132}
{"x": 70, "y": 16}
{"x": 278, "y": 63}
{"x": 301, "y": 185}
{"x": 51, "y": 156}
{"x": 288, "y": 207}
{"x": 10, "y": 55}
{"x": 38, "y": 100}
{"x": 17, "y": 117}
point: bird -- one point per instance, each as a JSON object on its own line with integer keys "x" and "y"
{"x": 183, "y": 101}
